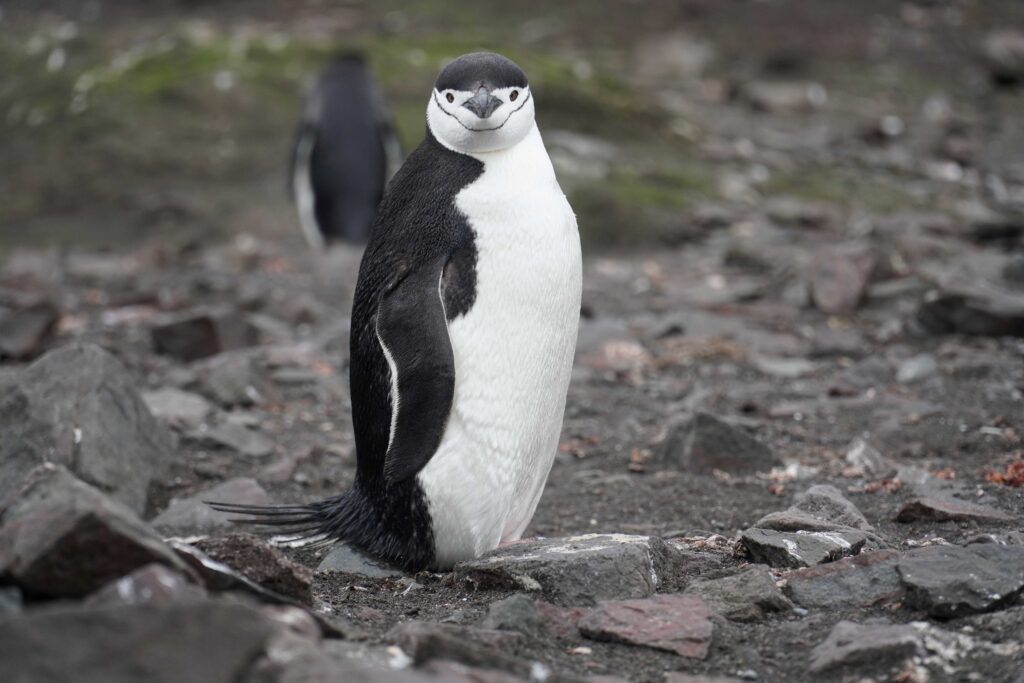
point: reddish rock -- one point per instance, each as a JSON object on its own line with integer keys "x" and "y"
{"x": 561, "y": 622}
{"x": 676, "y": 623}
{"x": 841, "y": 278}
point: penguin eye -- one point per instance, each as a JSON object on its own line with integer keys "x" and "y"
{"x": 514, "y": 96}
{"x": 450, "y": 97}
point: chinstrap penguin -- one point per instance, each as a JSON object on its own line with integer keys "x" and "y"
{"x": 345, "y": 151}
{"x": 463, "y": 333}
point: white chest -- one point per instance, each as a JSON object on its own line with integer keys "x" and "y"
{"x": 513, "y": 356}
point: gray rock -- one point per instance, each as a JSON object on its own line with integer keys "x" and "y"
{"x": 196, "y": 335}
{"x": 850, "y": 644}
{"x": 425, "y": 641}
{"x": 679, "y": 677}
{"x": 951, "y": 581}
{"x": 232, "y": 379}
{"x": 61, "y": 537}
{"x": 578, "y": 570}
{"x": 672, "y": 622}
{"x": 803, "y": 213}
{"x": 1003, "y": 51}
{"x": 801, "y": 548}
{"x": 192, "y": 515}
{"x": 1013, "y": 270}
{"x": 210, "y": 641}
{"x": 516, "y": 613}
{"x": 978, "y": 311}
{"x": 261, "y": 563}
{"x": 861, "y": 453}
{"x": 236, "y": 437}
{"x": 917, "y": 368}
{"x": 176, "y": 407}
{"x": 745, "y": 596}
{"x": 10, "y": 601}
{"x": 152, "y": 584}
{"x": 24, "y": 331}
{"x": 938, "y": 507}
{"x": 77, "y": 406}
{"x": 348, "y": 561}
{"x": 784, "y": 96}
{"x": 866, "y": 579}
{"x": 872, "y": 372}
{"x": 704, "y": 443}
{"x": 824, "y": 502}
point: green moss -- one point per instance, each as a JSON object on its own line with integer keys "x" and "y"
{"x": 842, "y": 189}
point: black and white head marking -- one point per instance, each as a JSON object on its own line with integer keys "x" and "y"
{"x": 481, "y": 102}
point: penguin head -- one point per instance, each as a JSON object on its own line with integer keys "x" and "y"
{"x": 481, "y": 103}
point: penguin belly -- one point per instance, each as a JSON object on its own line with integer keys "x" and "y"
{"x": 513, "y": 352}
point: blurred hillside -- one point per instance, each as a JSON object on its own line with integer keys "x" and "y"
{"x": 121, "y": 120}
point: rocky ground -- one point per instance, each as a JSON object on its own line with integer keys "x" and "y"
{"x": 793, "y": 441}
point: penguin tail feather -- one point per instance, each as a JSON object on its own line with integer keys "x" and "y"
{"x": 314, "y": 523}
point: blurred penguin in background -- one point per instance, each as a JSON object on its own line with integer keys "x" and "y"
{"x": 345, "y": 151}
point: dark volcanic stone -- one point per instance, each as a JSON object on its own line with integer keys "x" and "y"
{"x": 152, "y": 584}
{"x": 579, "y": 570}
{"x": 745, "y": 596}
{"x": 677, "y": 623}
{"x": 939, "y": 508}
{"x": 425, "y": 641}
{"x": 77, "y": 406}
{"x": 193, "y": 516}
{"x": 975, "y": 312}
{"x": 866, "y": 579}
{"x": 261, "y": 563}
{"x": 24, "y": 331}
{"x": 209, "y": 641}
{"x": 951, "y": 581}
{"x": 801, "y": 548}
{"x": 704, "y": 443}
{"x": 199, "y": 335}
{"x": 867, "y": 645}
{"x": 62, "y": 537}
{"x": 516, "y": 613}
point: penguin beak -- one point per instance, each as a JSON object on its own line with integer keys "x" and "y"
{"x": 482, "y": 103}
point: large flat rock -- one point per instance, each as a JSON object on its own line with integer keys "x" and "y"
{"x": 676, "y": 623}
{"x": 578, "y": 570}
{"x": 952, "y": 581}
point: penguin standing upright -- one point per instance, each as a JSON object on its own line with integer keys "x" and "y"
{"x": 345, "y": 150}
{"x": 463, "y": 334}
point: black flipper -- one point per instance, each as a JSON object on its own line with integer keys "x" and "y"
{"x": 413, "y": 331}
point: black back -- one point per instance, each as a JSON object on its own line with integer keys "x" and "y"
{"x": 418, "y": 228}
{"x": 348, "y": 161}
